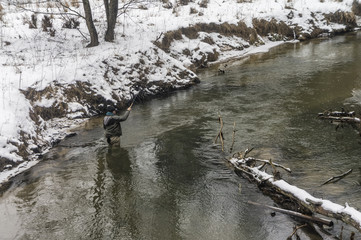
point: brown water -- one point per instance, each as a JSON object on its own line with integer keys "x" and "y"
{"x": 169, "y": 181}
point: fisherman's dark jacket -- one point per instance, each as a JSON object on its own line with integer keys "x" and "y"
{"x": 112, "y": 125}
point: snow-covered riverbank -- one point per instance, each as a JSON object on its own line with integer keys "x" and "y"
{"x": 50, "y": 82}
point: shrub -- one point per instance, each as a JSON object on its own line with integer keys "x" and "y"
{"x": 203, "y": 3}
{"x": 193, "y": 11}
{"x": 71, "y": 23}
{"x": 47, "y": 25}
{"x": 184, "y": 2}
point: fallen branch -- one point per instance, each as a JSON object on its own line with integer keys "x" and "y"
{"x": 342, "y": 119}
{"x": 294, "y": 198}
{"x": 337, "y": 178}
{"x": 340, "y": 116}
{"x": 296, "y": 214}
{"x": 341, "y": 113}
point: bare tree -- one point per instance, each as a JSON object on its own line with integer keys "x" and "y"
{"x": 111, "y": 10}
{"x": 90, "y": 24}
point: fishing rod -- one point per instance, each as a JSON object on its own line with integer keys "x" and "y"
{"x": 134, "y": 99}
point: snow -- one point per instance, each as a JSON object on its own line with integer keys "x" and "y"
{"x": 326, "y": 204}
{"x": 301, "y": 194}
{"x": 34, "y": 59}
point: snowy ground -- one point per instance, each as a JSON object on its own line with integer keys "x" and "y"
{"x": 33, "y": 61}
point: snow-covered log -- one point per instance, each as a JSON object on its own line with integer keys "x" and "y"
{"x": 340, "y": 116}
{"x": 292, "y": 197}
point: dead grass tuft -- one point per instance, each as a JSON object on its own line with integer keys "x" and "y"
{"x": 226, "y": 29}
{"x": 346, "y": 18}
{"x": 75, "y": 3}
{"x": 264, "y": 27}
{"x": 79, "y": 92}
{"x": 208, "y": 40}
{"x": 191, "y": 32}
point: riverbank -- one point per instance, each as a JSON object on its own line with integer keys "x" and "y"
{"x": 51, "y": 84}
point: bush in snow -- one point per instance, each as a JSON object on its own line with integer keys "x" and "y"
{"x": 193, "y": 11}
{"x": 31, "y": 22}
{"x": 47, "y": 25}
{"x": 71, "y": 23}
{"x": 203, "y": 3}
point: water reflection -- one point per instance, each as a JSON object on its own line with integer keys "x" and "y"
{"x": 115, "y": 213}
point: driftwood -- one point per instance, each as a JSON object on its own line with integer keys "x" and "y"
{"x": 292, "y": 198}
{"x": 337, "y": 178}
{"x": 340, "y": 116}
{"x": 307, "y": 218}
{"x": 342, "y": 113}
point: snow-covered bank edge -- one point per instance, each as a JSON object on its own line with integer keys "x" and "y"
{"x": 61, "y": 129}
{"x": 42, "y": 101}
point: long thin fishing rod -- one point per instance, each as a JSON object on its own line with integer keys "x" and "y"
{"x": 134, "y": 99}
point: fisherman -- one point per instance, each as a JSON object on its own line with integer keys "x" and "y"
{"x": 111, "y": 124}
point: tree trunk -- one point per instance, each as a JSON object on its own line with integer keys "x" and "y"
{"x": 90, "y": 25}
{"x": 111, "y": 10}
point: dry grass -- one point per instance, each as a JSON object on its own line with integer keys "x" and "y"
{"x": 75, "y": 3}
{"x": 356, "y": 8}
{"x": 192, "y": 32}
{"x": 203, "y": 3}
{"x": 79, "y": 92}
{"x": 193, "y": 11}
{"x": 264, "y": 27}
{"x": 346, "y": 18}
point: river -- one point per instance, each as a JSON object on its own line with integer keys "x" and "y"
{"x": 169, "y": 180}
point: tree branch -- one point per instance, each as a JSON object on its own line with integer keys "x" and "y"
{"x": 338, "y": 178}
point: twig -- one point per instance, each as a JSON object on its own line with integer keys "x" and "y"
{"x": 338, "y": 178}
{"x": 294, "y": 231}
{"x": 75, "y": 13}
{"x": 233, "y": 137}
{"x": 160, "y": 35}
{"x": 341, "y": 233}
{"x": 247, "y": 151}
{"x": 220, "y": 134}
{"x": 46, "y": 13}
{"x": 268, "y": 162}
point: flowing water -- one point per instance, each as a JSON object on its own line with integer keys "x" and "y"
{"x": 169, "y": 180}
